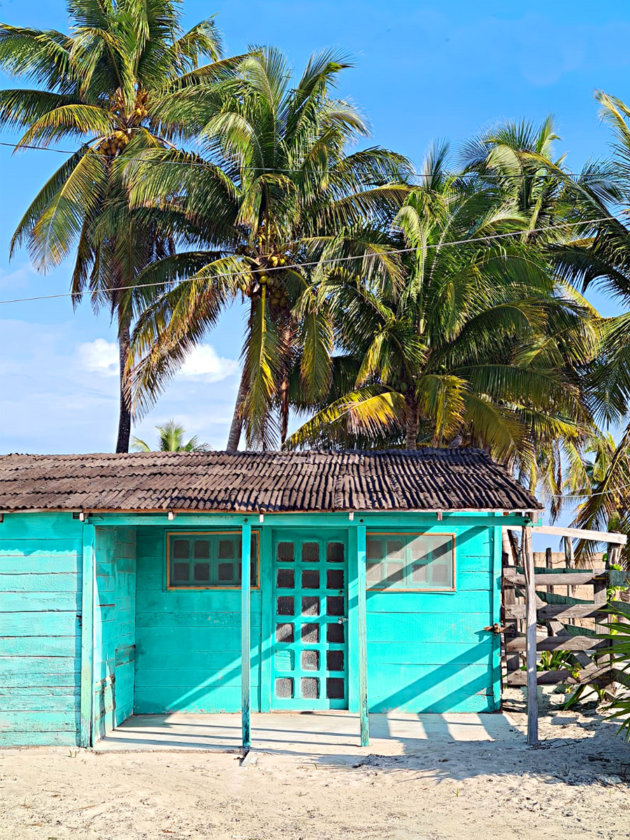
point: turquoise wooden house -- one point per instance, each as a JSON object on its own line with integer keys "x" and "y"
{"x": 219, "y": 582}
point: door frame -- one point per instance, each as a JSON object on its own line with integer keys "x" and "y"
{"x": 318, "y": 531}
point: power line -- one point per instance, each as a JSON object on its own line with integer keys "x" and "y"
{"x": 425, "y": 175}
{"x": 313, "y": 263}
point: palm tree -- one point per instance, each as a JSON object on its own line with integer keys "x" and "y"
{"x": 476, "y": 345}
{"x": 278, "y": 197}
{"x": 603, "y": 259}
{"x": 117, "y": 82}
{"x": 171, "y": 440}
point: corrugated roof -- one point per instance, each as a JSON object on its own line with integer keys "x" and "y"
{"x": 426, "y": 479}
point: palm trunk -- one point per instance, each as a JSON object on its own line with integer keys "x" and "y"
{"x": 236, "y": 426}
{"x": 411, "y": 420}
{"x": 124, "y": 418}
{"x": 284, "y": 385}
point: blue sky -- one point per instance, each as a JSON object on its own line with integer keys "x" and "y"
{"x": 423, "y": 72}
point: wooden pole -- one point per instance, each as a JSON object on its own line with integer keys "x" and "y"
{"x": 532, "y": 677}
{"x": 87, "y": 636}
{"x": 246, "y": 551}
{"x": 362, "y": 626}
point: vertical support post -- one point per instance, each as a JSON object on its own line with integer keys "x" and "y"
{"x": 362, "y": 627}
{"x": 87, "y": 635}
{"x": 246, "y": 551}
{"x": 532, "y": 679}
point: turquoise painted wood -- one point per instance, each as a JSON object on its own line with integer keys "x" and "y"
{"x": 40, "y": 629}
{"x": 87, "y": 635}
{"x": 114, "y": 628}
{"x": 362, "y": 636}
{"x": 246, "y": 553}
{"x": 188, "y": 642}
{"x": 157, "y": 650}
{"x": 428, "y": 651}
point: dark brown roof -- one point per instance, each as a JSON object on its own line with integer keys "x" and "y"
{"x": 427, "y": 479}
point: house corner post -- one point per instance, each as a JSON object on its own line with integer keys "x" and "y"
{"x": 532, "y": 677}
{"x": 246, "y": 550}
{"x": 362, "y": 634}
{"x": 86, "y": 735}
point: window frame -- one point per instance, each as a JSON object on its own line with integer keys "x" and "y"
{"x": 211, "y": 586}
{"x": 451, "y": 589}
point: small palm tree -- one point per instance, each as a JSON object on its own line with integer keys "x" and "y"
{"x": 277, "y": 196}
{"x": 117, "y": 82}
{"x": 171, "y": 440}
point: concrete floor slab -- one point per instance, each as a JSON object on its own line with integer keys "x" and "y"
{"x": 309, "y": 734}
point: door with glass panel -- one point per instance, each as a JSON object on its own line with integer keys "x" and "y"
{"x": 310, "y": 610}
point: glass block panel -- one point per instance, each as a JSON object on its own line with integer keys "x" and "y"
{"x": 310, "y": 552}
{"x": 334, "y": 660}
{"x": 335, "y": 605}
{"x": 226, "y": 573}
{"x": 335, "y": 687}
{"x": 310, "y": 579}
{"x": 310, "y": 634}
{"x": 309, "y": 660}
{"x": 284, "y": 688}
{"x": 181, "y": 572}
{"x": 310, "y": 605}
{"x": 285, "y": 605}
{"x": 227, "y": 549}
{"x": 202, "y": 572}
{"x": 336, "y": 633}
{"x": 335, "y": 552}
{"x": 181, "y": 549}
{"x": 201, "y": 549}
{"x": 285, "y": 633}
{"x": 285, "y": 552}
{"x": 309, "y": 687}
{"x": 335, "y": 579}
{"x": 285, "y": 579}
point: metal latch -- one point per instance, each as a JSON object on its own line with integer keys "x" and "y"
{"x": 495, "y": 628}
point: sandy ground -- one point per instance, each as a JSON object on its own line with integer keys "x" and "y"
{"x": 577, "y": 785}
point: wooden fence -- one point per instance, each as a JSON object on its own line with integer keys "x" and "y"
{"x": 563, "y": 623}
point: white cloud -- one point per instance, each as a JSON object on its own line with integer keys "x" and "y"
{"x": 99, "y": 356}
{"x": 203, "y": 362}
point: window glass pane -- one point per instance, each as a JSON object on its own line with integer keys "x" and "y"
{"x": 285, "y": 552}
{"x": 226, "y": 549}
{"x": 226, "y": 573}
{"x": 310, "y": 606}
{"x": 202, "y": 572}
{"x": 335, "y": 552}
{"x": 310, "y": 660}
{"x": 310, "y": 688}
{"x": 310, "y": 634}
{"x": 310, "y": 579}
{"x": 201, "y": 549}
{"x": 181, "y": 549}
{"x": 181, "y": 572}
{"x": 284, "y": 687}
{"x": 335, "y": 633}
{"x": 285, "y": 579}
{"x": 411, "y": 562}
{"x": 334, "y": 579}
{"x": 310, "y": 552}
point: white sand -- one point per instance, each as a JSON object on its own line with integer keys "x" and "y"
{"x": 576, "y": 786}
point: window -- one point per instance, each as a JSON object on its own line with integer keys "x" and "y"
{"x": 207, "y": 559}
{"x": 410, "y": 562}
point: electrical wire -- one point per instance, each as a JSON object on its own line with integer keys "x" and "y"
{"x": 204, "y": 165}
{"x": 313, "y": 263}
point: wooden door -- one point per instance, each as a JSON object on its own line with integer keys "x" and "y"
{"x": 310, "y": 621}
